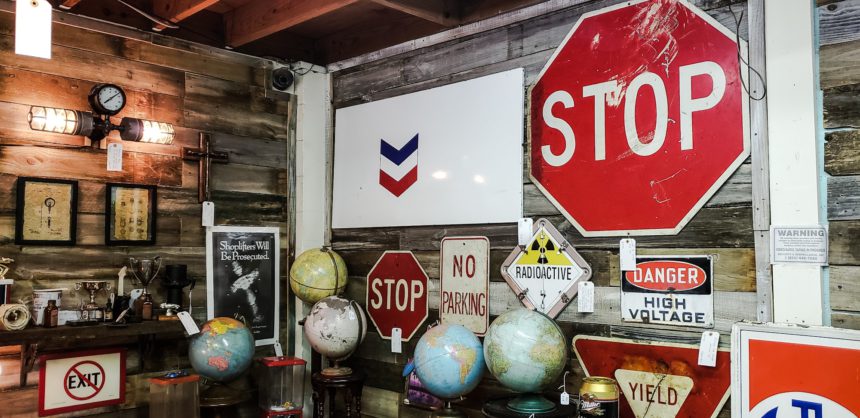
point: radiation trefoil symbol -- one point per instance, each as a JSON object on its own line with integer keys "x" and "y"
{"x": 545, "y": 274}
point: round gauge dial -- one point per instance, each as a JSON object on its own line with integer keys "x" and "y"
{"x": 107, "y": 99}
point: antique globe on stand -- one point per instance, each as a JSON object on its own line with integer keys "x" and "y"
{"x": 526, "y": 351}
{"x": 449, "y": 362}
{"x": 221, "y": 352}
{"x": 318, "y": 273}
{"x": 334, "y": 328}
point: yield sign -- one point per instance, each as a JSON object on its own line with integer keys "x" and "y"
{"x": 545, "y": 273}
{"x": 664, "y": 377}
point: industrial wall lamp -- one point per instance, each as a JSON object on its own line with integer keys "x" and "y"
{"x": 106, "y": 100}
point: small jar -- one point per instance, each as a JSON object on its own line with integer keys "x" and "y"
{"x": 146, "y": 307}
{"x": 52, "y": 315}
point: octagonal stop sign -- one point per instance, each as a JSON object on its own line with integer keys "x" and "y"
{"x": 397, "y": 294}
{"x": 638, "y": 118}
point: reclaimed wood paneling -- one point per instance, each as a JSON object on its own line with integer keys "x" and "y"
{"x": 224, "y": 96}
{"x": 842, "y": 153}
{"x": 842, "y": 106}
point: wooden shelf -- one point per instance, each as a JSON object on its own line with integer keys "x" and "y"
{"x": 67, "y": 335}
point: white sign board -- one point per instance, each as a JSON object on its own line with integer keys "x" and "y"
{"x": 653, "y": 394}
{"x": 798, "y": 244}
{"x": 443, "y": 156}
{"x": 669, "y": 290}
{"x": 81, "y": 380}
{"x": 545, "y": 274}
{"x": 464, "y": 274}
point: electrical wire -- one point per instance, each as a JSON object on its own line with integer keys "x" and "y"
{"x": 738, "y": 20}
{"x": 155, "y": 19}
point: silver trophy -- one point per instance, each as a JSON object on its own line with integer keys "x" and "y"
{"x": 145, "y": 270}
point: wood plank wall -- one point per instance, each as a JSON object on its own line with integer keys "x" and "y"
{"x": 840, "y": 81}
{"x": 723, "y": 227}
{"x": 194, "y": 87}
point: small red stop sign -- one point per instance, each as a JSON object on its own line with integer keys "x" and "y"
{"x": 397, "y": 294}
{"x": 638, "y": 118}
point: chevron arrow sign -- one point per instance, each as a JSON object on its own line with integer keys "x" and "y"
{"x": 398, "y": 168}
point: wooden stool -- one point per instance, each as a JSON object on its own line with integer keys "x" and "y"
{"x": 353, "y": 383}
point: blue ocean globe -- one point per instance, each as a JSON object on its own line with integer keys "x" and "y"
{"x": 222, "y": 350}
{"x": 526, "y": 351}
{"x": 449, "y": 361}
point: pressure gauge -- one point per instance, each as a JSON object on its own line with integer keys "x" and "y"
{"x": 107, "y": 99}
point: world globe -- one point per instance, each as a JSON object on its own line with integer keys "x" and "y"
{"x": 222, "y": 350}
{"x": 449, "y": 360}
{"x": 318, "y": 273}
{"x": 334, "y": 328}
{"x": 526, "y": 351}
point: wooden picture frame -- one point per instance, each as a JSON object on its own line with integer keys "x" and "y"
{"x": 130, "y": 214}
{"x": 46, "y": 211}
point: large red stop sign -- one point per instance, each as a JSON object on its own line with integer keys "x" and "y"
{"x": 638, "y": 118}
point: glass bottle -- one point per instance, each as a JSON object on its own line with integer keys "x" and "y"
{"x": 146, "y": 307}
{"x": 109, "y": 311}
{"x": 52, "y": 315}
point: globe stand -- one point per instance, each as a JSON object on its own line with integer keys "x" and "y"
{"x": 336, "y": 370}
{"x": 531, "y": 403}
{"x": 448, "y": 411}
{"x": 218, "y": 395}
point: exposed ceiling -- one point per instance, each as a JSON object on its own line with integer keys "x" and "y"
{"x": 318, "y": 31}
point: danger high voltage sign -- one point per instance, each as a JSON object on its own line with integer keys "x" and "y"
{"x": 546, "y": 272}
{"x": 670, "y": 290}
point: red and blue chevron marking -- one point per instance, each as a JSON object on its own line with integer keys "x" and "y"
{"x": 400, "y": 158}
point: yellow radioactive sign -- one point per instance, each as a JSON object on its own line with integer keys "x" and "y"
{"x": 544, "y": 250}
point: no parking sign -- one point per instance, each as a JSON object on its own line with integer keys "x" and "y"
{"x": 81, "y": 380}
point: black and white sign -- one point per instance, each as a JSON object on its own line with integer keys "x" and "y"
{"x": 798, "y": 244}
{"x": 242, "y": 271}
{"x": 669, "y": 290}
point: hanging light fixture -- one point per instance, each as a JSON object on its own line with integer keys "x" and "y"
{"x": 33, "y": 28}
{"x": 107, "y": 100}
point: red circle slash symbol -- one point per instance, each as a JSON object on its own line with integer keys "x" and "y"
{"x": 84, "y": 380}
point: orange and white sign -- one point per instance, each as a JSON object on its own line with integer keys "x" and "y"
{"x": 81, "y": 380}
{"x": 783, "y": 371}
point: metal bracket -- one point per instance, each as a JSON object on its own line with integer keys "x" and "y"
{"x": 522, "y": 295}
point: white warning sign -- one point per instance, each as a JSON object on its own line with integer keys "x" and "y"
{"x": 669, "y": 290}
{"x": 546, "y": 273}
{"x": 81, "y": 380}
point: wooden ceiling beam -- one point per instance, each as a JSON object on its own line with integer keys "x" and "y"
{"x": 258, "y": 19}
{"x": 68, "y": 4}
{"x": 177, "y": 10}
{"x": 442, "y": 12}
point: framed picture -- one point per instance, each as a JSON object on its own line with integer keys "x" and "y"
{"x": 131, "y": 211}
{"x": 242, "y": 277}
{"x": 46, "y": 211}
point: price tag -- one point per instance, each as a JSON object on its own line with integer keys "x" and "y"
{"x": 627, "y": 253}
{"x": 524, "y": 231}
{"x": 396, "y": 335}
{"x": 585, "y": 297}
{"x": 190, "y": 326}
{"x": 208, "y": 215}
{"x": 114, "y": 157}
{"x": 565, "y": 398}
{"x": 351, "y": 313}
{"x": 278, "y": 350}
{"x": 708, "y": 348}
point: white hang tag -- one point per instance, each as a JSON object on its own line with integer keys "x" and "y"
{"x": 279, "y": 351}
{"x": 708, "y": 348}
{"x": 208, "y": 215}
{"x": 33, "y": 28}
{"x": 565, "y": 398}
{"x": 396, "y": 335}
{"x": 627, "y": 253}
{"x": 114, "y": 157}
{"x": 190, "y": 326}
{"x": 351, "y": 313}
{"x": 585, "y": 297}
{"x": 524, "y": 231}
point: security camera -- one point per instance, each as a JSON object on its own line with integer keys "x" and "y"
{"x": 282, "y": 78}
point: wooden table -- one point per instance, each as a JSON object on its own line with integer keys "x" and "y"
{"x": 322, "y": 385}
{"x": 34, "y": 339}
